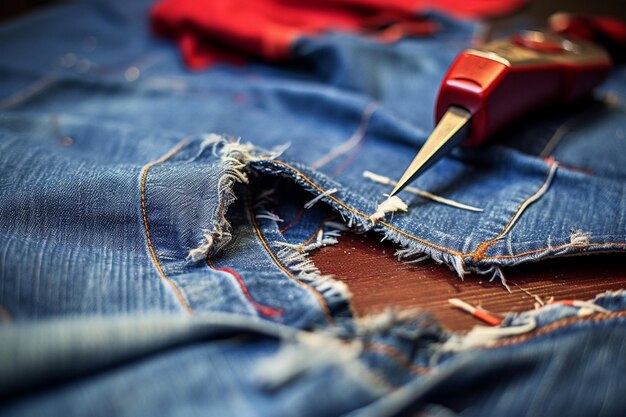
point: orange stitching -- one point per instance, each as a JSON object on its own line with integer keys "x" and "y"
{"x": 355, "y": 211}
{"x": 320, "y": 298}
{"x": 479, "y": 253}
{"x": 309, "y": 240}
{"x": 396, "y": 355}
{"x": 144, "y": 176}
{"x": 583, "y": 245}
{"x": 557, "y": 325}
{"x": 441, "y": 248}
{"x": 314, "y": 235}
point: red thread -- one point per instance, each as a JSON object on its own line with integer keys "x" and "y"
{"x": 210, "y": 31}
{"x": 350, "y": 160}
{"x": 486, "y": 317}
{"x": 293, "y": 222}
{"x": 266, "y": 311}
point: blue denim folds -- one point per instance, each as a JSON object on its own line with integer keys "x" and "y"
{"x": 153, "y": 237}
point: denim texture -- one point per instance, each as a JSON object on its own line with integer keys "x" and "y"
{"x": 137, "y": 245}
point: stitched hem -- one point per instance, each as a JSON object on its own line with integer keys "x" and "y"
{"x": 144, "y": 213}
{"x": 415, "y": 245}
{"x": 516, "y": 340}
{"x": 397, "y": 356}
{"x": 312, "y": 281}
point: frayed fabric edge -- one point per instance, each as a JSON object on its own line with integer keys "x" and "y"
{"x": 295, "y": 259}
{"x": 239, "y": 158}
{"x": 236, "y": 157}
{"x": 410, "y": 248}
{"x": 310, "y": 351}
{"x": 413, "y": 250}
{"x": 344, "y": 347}
{"x": 327, "y": 235}
{"x": 304, "y": 270}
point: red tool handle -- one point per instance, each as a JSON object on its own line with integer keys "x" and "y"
{"x": 506, "y": 79}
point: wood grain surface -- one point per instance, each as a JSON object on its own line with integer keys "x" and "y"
{"x": 378, "y": 281}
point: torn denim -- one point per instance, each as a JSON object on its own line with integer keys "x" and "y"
{"x": 134, "y": 194}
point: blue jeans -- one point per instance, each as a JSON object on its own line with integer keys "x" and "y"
{"x": 150, "y": 266}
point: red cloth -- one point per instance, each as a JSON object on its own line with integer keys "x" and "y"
{"x": 212, "y": 30}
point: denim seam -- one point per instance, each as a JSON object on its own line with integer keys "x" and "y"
{"x": 320, "y": 297}
{"x": 600, "y": 317}
{"x": 144, "y": 213}
{"x": 315, "y": 233}
{"x": 397, "y": 356}
{"x": 261, "y": 308}
{"x": 365, "y": 216}
{"x": 482, "y": 248}
{"x": 433, "y": 245}
{"x": 313, "y": 236}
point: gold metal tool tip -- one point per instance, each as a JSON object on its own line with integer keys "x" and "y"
{"x": 449, "y": 132}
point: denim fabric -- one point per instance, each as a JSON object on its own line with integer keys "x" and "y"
{"x": 229, "y": 365}
{"x": 123, "y": 213}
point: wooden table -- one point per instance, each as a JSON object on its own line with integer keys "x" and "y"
{"x": 378, "y": 281}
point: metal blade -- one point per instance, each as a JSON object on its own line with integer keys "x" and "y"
{"x": 449, "y": 132}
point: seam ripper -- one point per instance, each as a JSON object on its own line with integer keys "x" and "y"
{"x": 487, "y": 88}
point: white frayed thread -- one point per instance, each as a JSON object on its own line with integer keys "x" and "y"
{"x": 418, "y": 252}
{"x": 459, "y": 266}
{"x": 319, "y": 242}
{"x": 319, "y": 197}
{"x": 310, "y": 351}
{"x": 388, "y": 181}
{"x": 235, "y": 156}
{"x": 337, "y": 226}
{"x": 540, "y": 192}
{"x": 287, "y": 245}
{"x": 586, "y": 308}
{"x": 391, "y": 204}
{"x": 481, "y": 336}
{"x": 269, "y": 216}
{"x": 539, "y": 300}
{"x": 497, "y": 273}
{"x": 265, "y": 198}
{"x": 304, "y": 270}
{"x": 578, "y": 237}
{"x": 382, "y": 322}
{"x": 417, "y": 260}
{"x": 314, "y": 351}
{"x": 354, "y": 140}
{"x": 210, "y": 236}
{"x": 326, "y": 236}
